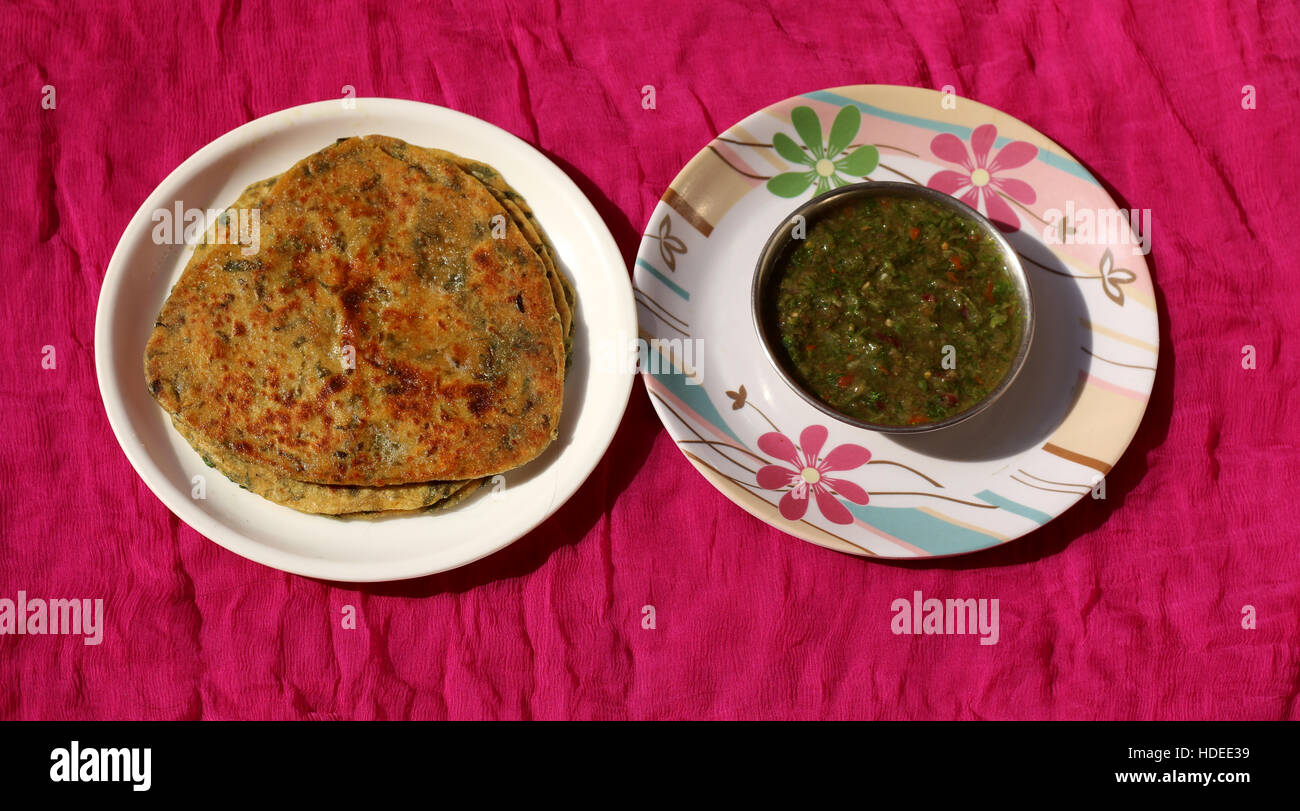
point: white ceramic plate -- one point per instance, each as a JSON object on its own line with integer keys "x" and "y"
{"x": 1044, "y": 445}
{"x": 142, "y": 273}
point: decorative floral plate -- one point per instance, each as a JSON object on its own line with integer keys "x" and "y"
{"x": 1048, "y": 442}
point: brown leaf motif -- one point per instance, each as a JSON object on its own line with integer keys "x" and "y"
{"x": 669, "y": 245}
{"x": 1112, "y": 277}
{"x": 737, "y": 398}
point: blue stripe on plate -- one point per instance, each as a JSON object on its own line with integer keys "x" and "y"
{"x": 695, "y": 398}
{"x": 661, "y": 277}
{"x": 1016, "y": 507}
{"x": 922, "y": 530}
{"x": 1052, "y": 159}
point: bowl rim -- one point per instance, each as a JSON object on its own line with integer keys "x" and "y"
{"x": 774, "y": 249}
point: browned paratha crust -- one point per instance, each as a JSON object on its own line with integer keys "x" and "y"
{"x": 326, "y": 499}
{"x": 523, "y": 216}
{"x": 384, "y": 247}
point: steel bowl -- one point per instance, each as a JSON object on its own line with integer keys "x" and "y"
{"x": 763, "y": 300}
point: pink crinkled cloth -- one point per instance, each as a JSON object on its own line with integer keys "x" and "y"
{"x": 1131, "y": 607}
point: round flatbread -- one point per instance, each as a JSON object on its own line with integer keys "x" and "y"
{"x": 382, "y": 334}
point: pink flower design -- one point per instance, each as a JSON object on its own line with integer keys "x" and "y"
{"x": 984, "y": 188}
{"x": 807, "y": 474}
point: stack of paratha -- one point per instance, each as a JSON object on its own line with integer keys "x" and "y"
{"x": 399, "y": 337}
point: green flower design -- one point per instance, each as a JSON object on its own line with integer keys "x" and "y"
{"x": 823, "y": 161}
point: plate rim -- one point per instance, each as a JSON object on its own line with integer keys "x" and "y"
{"x": 599, "y": 437}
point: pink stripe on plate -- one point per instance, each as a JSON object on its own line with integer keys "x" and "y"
{"x": 1111, "y": 387}
{"x": 904, "y": 544}
{"x": 683, "y": 409}
{"x": 730, "y": 156}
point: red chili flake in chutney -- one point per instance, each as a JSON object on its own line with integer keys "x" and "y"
{"x": 868, "y": 301}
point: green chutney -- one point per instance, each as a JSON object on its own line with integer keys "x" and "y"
{"x": 897, "y": 311}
